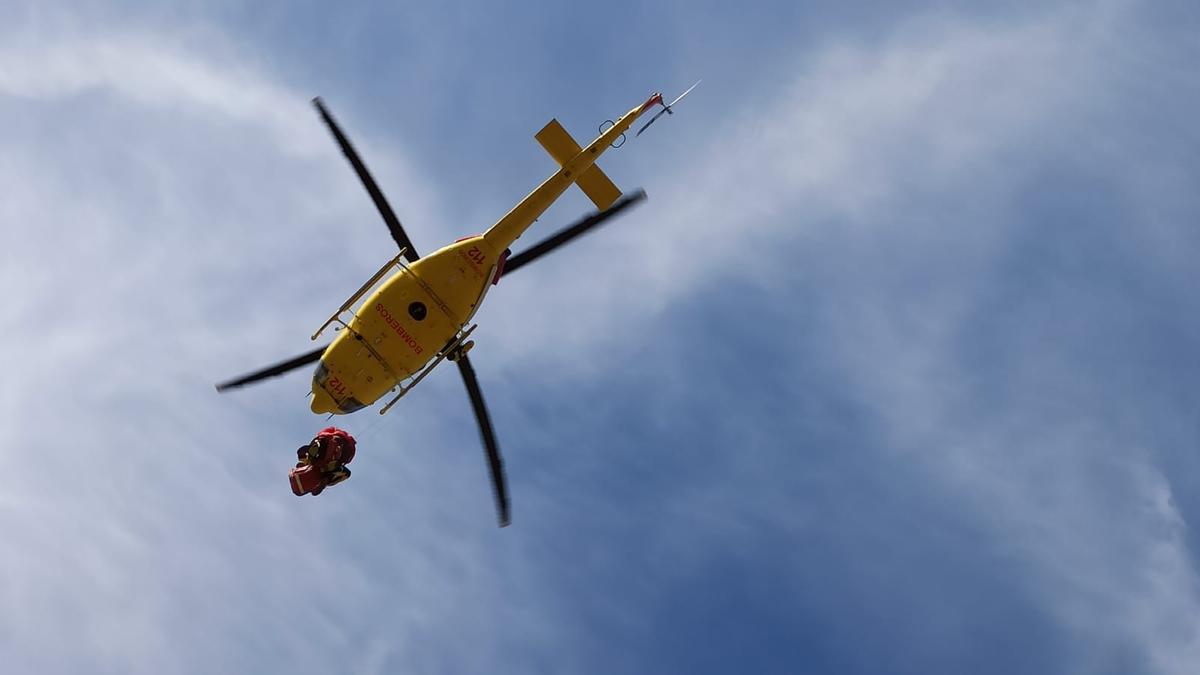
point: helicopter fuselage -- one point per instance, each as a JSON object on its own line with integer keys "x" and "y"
{"x": 402, "y": 325}
{"x": 423, "y": 310}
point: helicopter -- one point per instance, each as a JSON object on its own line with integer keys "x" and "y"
{"x": 420, "y": 315}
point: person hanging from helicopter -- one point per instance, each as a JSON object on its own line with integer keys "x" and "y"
{"x": 322, "y": 462}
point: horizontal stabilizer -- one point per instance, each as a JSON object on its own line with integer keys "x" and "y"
{"x": 594, "y": 183}
{"x": 555, "y": 139}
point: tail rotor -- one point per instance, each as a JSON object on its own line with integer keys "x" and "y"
{"x": 666, "y": 109}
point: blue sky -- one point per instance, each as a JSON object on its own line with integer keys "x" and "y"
{"x": 894, "y": 372}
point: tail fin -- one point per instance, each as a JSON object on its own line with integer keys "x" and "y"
{"x": 594, "y": 183}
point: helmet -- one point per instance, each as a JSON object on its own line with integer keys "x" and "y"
{"x": 346, "y": 441}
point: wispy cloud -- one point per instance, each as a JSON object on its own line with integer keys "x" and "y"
{"x": 150, "y": 524}
{"x": 877, "y": 211}
{"x": 893, "y": 180}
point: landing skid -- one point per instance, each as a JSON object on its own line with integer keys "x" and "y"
{"x": 449, "y": 350}
{"x": 337, "y": 316}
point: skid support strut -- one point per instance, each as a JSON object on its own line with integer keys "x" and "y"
{"x": 337, "y": 316}
{"x": 449, "y": 349}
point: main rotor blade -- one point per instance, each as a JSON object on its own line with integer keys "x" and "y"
{"x": 381, "y": 203}
{"x": 495, "y": 464}
{"x": 647, "y": 124}
{"x": 272, "y": 371}
{"x": 568, "y": 233}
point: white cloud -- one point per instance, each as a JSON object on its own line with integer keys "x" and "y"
{"x": 890, "y": 171}
{"x": 151, "y": 71}
{"x": 149, "y": 521}
{"x": 864, "y": 133}
{"x": 146, "y": 565}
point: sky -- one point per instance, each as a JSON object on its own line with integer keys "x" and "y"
{"x": 894, "y": 371}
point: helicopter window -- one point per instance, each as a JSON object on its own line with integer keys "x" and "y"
{"x": 350, "y": 404}
{"x": 417, "y": 310}
{"x": 321, "y": 374}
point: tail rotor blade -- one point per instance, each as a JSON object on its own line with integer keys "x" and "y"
{"x": 666, "y": 108}
{"x": 381, "y": 203}
{"x": 568, "y": 233}
{"x": 488, "y": 435}
{"x": 272, "y": 371}
{"x": 689, "y": 90}
{"x": 652, "y": 119}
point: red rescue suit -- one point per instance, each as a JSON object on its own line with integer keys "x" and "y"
{"x": 322, "y": 462}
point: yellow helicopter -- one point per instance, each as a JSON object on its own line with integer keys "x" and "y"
{"x": 420, "y": 315}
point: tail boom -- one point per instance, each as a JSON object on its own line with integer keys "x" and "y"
{"x": 502, "y": 235}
